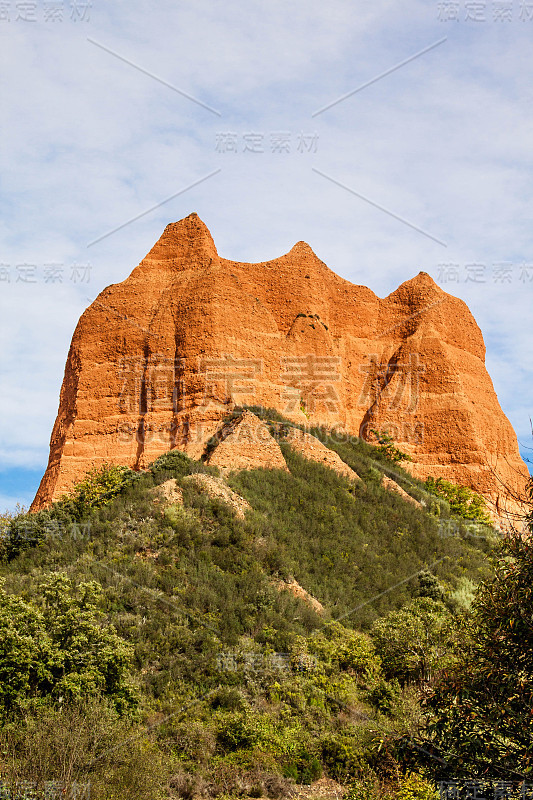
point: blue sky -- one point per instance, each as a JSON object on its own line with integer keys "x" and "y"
{"x": 442, "y": 141}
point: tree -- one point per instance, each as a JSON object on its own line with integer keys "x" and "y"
{"x": 429, "y": 586}
{"x": 60, "y": 650}
{"x": 483, "y": 709}
{"x": 387, "y": 448}
{"x": 26, "y": 652}
{"x": 415, "y": 641}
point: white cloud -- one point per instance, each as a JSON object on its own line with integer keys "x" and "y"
{"x": 90, "y": 142}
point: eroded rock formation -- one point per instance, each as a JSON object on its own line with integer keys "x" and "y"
{"x": 158, "y": 360}
{"x": 245, "y": 444}
{"x": 312, "y": 448}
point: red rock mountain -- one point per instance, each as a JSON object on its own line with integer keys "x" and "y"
{"x": 157, "y": 361}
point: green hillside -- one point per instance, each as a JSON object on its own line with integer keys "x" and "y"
{"x": 156, "y": 650}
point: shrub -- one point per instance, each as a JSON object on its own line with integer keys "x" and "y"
{"x": 367, "y": 787}
{"x": 429, "y": 586}
{"x": 82, "y": 742}
{"x": 415, "y": 641}
{"x": 97, "y": 489}
{"x": 305, "y": 768}
{"x": 343, "y": 758}
{"x": 238, "y": 730}
{"x": 176, "y": 464}
{"x": 415, "y": 787}
{"x": 342, "y": 649}
{"x": 387, "y": 448}
{"x": 463, "y": 501}
{"x": 384, "y": 695}
{"x": 60, "y": 650}
{"x": 187, "y": 785}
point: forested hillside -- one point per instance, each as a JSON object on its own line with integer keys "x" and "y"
{"x": 156, "y": 641}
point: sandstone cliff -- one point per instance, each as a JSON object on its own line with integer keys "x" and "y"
{"x": 157, "y": 361}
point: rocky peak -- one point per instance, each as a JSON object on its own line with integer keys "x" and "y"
{"x": 158, "y": 361}
{"x": 183, "y": 245}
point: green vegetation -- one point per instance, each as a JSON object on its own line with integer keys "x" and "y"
{"x": 56, "y": 648}
{"x": 463, "y": 501}
{"x": 388, "y": 449}
{"x": 157, "y": 652}
{"x": 417, "y": 641}
{"x": 97, "y": 489}
{"x": 483, "y": 705}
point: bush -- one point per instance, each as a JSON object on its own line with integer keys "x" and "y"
{"x": 343, "y": 758}
{"x": 97, "y": 489}
{"x": 463, "y": 501}
{"x": 384, "y": 695}
{"x": 342, "y": 649}
{"x": 416, "y": 641}
{"x": 176, "y": 464}
{"x": 60, "y": 650}
{"x": 187, "y": 785}
{"x": 306, "y": 768}
{"x": 83, "y": 742}
{"x": 367, "y": 787}
{"x": 386, "y": 447}
{"x": 238, "y": 730}
{"x": 415, "y": 787}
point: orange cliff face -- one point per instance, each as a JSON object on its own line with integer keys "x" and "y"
{"x": 158, "y": 360}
